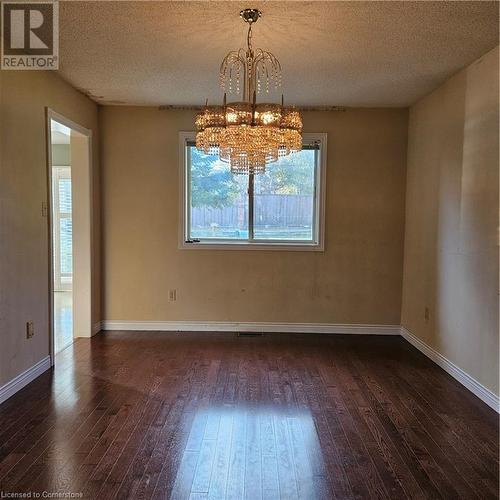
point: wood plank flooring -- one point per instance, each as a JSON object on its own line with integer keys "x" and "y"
{"x": 152, "y": 415}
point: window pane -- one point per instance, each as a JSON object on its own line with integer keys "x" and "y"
{"x": 284, "y": 198}
{"x": 65, "y": 195}
{"x": 219, "y": 200}
{"x": 66, "y": 249}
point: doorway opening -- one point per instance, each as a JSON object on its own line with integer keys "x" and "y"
{"x": 70, "y": 216}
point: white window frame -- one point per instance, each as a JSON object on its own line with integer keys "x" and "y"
{"x": 318, "y": 245}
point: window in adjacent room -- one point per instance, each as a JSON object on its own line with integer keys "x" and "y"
{"x": 281, "y": 208}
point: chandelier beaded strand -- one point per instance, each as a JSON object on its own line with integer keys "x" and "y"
{"x": 245, "y": 134}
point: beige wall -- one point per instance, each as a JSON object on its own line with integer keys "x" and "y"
{"x": 24, "y": 278}
{"x": 61, "y": 154}
{"x": 451, "y": 244}
{"x": 356, "y": 280}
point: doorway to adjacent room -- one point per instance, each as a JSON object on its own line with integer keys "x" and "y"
{"x": 70, "y": 225}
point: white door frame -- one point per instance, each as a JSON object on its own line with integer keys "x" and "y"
{"x": 53, "y": 115}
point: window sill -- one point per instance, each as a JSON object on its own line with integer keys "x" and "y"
{"x": 244, "y": 245}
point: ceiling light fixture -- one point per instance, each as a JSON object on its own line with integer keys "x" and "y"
{"x": 245, "y": 134}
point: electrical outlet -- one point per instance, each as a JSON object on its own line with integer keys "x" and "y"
{"x": 30, "y": 329}
{"x": 172, "y": 295}
{"x": 427, "y": 314}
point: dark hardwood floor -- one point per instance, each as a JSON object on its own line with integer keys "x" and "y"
{"x": 164, "y": 415}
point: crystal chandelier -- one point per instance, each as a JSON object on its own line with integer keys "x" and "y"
{"x": 246, "y": 134}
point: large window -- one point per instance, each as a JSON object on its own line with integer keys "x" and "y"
{"x": 281, "y": 208}
{"x": 63, "y": 228}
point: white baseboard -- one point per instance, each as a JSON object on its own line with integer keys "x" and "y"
{"x": 482, "y": 392}
{"x": 97, "y": 327}
{"x": 17, "y": 383}
{"x": 229, "y": 326}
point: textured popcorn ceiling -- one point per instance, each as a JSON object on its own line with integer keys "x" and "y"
{"x": 332, "y": 53}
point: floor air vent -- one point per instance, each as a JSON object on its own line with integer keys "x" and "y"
{"x": 250, "y": 334}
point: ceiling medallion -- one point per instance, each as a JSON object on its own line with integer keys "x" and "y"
{"x": 246, "y": 134}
